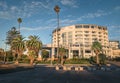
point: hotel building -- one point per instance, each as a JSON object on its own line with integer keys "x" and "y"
{"x": 78, "y": 39}
{"x": 114, "y": 44}
{"x": 114, "y": 49}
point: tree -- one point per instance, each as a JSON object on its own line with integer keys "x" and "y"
{"x": 102, "y": 58}
{"x": 18, "y": 47}
{"x": 1, "y": 54}
{"x": 11, "y": 34}
{"x": 62, "y": 53}
{"x": 97, "y": 48}
{"x": 33, "y": 44}
{"x": 45, "y": 54}
{"x": 31, "y": 56}
{"x": 19, "y": 21}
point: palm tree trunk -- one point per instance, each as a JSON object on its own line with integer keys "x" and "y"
{"x": 97, "y": 59}
{"x": 62, "y": 60}
{"x": 31, "y": 61}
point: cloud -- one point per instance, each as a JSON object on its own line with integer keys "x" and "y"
{"x": 27, "y": 9}
{"x": 114, "y": 32}
{"x": 69, "y": 3}
{"x": 114, "y": 28}
{"x": 5, "y": 15}
{"x": 37, "y": 28}
{"x": 3, "y": 5}
{"x": 98, "y": 13}
{"x": 117, "y": 8}
{"x": 114, "y": 38}
{"x": 69, "y": 20}
{"x": 66, "y": 22}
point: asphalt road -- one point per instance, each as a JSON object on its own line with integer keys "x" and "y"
{"x": 42, "y": 74}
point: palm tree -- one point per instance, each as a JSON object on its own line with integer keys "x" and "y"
{"x": 19, "y": 21}
{"x": 97, "y": 48}
{"x": 18, "y": 47}
{"x": 62, "y": 53}
{"x": 57, "y": 10}
{"x": 33, "y": 45}
{"x": 31, "y": 56}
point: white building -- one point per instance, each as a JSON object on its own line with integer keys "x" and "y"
{"x": 78, "y": 39}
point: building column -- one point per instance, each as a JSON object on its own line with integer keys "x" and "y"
{"x": 79, "y": 55}
{"x": 83, "y": 52}
{"x": 40, "y": 55}
{"x": 70, "y": 54}
{"x": 53, "y": 52}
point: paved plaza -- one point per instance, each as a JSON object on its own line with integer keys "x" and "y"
{"x": 46, "y": 74}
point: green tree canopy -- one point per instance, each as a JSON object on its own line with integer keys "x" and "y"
{"x": 33, "y": 45}
{"x": 97, "y": 48}
{"x": 11, "y": 34}
{"x": 62, "y": 52}
{"x": 18, "y": 46}
{"x": 45, "y": 54}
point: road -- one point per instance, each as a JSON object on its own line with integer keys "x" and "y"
{"x": 43, "y": 74}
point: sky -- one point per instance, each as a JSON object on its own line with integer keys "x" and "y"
{"x": 40, "y": 19}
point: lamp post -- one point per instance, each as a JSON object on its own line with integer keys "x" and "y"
{"x": 57, "y": 10}
{"x": 51, "y": 49}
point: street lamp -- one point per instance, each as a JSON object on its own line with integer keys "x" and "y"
{"x": 57, "y": 10}
{"x": 51, "y": 49}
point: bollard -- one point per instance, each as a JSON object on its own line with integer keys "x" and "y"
{"x": 64, "y": 68}
{"x": 76, "y": 68}
{"x": 57, "y": 68}
{"x": 81, "y": 68}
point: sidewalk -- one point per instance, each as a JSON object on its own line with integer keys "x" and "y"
{"x": 114, "y": 63}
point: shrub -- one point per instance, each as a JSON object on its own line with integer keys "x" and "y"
{"x": 77, "y": 61}
{"x": 24, "y": 59}
{"x": 102, "y": 59}
{"x": 117, "y": 59}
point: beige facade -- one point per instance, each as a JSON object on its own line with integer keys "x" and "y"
{"x": 115, "y": 51}
{"x": 78, "y": 39}
{"x": 114, "y": 44}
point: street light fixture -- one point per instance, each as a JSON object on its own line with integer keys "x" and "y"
{"x": 57, "y": 10}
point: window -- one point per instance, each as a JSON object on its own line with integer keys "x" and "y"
{"x": 99, "y": 27}
{"x": 93, "y": 32}
{"x": 86, "y": 31}
{"x": 86, "y": 26}
{"x": 92, "y": 26}
{"x": 70, "y": 33}
{"x": 78, "y": 26}
{"x": 99, "y": 32}
{"x": 86, "y": 35}
{"x": 87, "y": 51}
{"x": 78, "y": 31}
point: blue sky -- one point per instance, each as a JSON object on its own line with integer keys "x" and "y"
{"x": 39, "y": 17}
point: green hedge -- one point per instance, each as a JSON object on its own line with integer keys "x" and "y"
{"x": 77, "y": 61}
